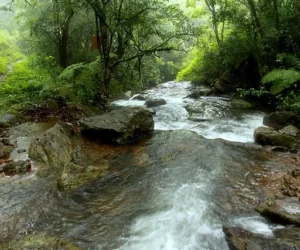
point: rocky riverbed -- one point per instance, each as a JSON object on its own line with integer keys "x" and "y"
{"x": 170, "y": 189}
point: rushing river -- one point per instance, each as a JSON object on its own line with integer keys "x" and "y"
{"x": 172, "y": 192}
{"x": 233, "y": 126}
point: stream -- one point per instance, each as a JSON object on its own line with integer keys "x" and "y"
{"x": 173, "y": 191}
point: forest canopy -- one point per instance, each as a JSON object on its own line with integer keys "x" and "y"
{"x": 91, "y": 51}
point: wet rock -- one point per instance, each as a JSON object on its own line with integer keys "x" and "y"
{"x": 291, "y": 234}
{"x": 119, "y": 126}
{"x": 75, "y": 176}
{"x": 39, "y": 242}
{"x": 5, "y": 150}
{"x": 202, "y": 110}
{"x": 78, "y": 155}
{"x": 155, "y": 102}
{"x": 139, "y": 97}
{"x": 291, "y": 183}
{"x": 197, "y": 93}
{"x": 285, "y": 210}
{"x": 279, "y": 149}
{"x": 223, "y": 87}
{"x": 241, "y": 104}
{"x": 20, "y": 151}
{"x": 127, "y": 95}
{"x": 53, "y": 147}
{"x": 290, "y": 130}
{"x": 281, "y": 119}
{"x": 240, "y": 239}
{"x": 269, "y": 136}
{"x": 18, "y": 167}
{"x": 7, "y": 120}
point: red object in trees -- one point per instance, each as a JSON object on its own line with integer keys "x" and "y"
{"x": 95, "y": 43}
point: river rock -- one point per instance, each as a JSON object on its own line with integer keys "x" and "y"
{"x": 119, "y": 126}
{"x": 241, "y": 104}
{"x": 155, "y": 102}
{"x": 75, "y": 176}
{"x": 127, "y": 95}
{"x": 203, "y": 110}
{"x": 223, "y": 87}
{"x": 241, "y": 239}
{"x": 197, "y": 93}
{"x": 53, "y": 147}
{"x": 5, "y": 150}
{"x": 40, "y": 241}
{"x": 285, "y": 210}
{"x": 290, "y": 130}
{"x": 138, "y": 97}
{"x": 281, "y": 119}
{"x": 17, "y": 167}
{"x": 8, "y": 119}
{"x": 269, "y": 136}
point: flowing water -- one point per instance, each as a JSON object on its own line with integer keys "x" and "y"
{"x": 219, "y": 122}
{"x": 173, "y": 191}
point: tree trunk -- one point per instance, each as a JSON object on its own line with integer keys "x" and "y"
{"x": 276, "y": 13}
{"x": 63, "y": 42}
{"x": 255, "y": 17}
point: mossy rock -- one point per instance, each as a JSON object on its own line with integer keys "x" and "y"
{"x": 39, "y": 242}
{"x": 241, "y": 104}
{"x": 52, "y": 148}
{"x": 75, "y": 176}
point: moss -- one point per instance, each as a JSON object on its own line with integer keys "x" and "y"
{"x": 39, "y": 242}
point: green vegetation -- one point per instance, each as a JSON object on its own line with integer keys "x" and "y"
{"x": 250, "y": 47}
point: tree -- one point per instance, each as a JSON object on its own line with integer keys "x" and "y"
{"x": 129, "y": 30}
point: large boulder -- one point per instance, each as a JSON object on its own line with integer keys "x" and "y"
{"x": 53, "y": 147}
{"x": 285, "y": 210}
{"x": 241, "y": 239}
{"x": 281, "y": 119}
{"x": 269, "y": 136}
{"x": 119, "y": 126}
{"x": 155, "y": 102}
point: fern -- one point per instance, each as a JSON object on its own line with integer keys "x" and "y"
{"x": 289, "y": 60}
{"x": 281, "y": 79}
{"x": 72, "y": 71}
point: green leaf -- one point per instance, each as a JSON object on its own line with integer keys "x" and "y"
{"x": 281, "y": 79}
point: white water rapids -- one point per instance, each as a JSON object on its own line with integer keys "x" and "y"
{"x": 173, "y": 115}
{"x": 184, "y": 219}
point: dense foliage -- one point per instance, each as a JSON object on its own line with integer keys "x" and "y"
{"x": 90, "y": 51}
{"x": 251, "y": 45}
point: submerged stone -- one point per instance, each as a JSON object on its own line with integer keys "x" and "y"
{"x": 39, "y": 242}
{"x": 75, "y": 176}
{"x": 120, "y": 126}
